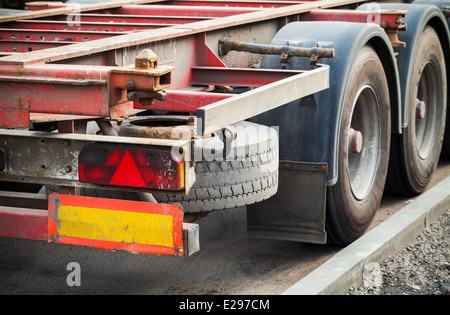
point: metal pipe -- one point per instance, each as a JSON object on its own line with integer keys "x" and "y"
{"x": 227, "y": 45}
{"x": 106, "y": 128}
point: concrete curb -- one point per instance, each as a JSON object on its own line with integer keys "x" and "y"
{"x": 345, "y": 269}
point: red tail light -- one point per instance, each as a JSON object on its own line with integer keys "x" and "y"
{"x": 125, "y": 166}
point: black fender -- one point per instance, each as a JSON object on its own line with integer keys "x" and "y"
{"x": 446, "y": 45}
{"x": 417, "y": 18}
{"x": 444, "y": 35}
{"x": 309, "y": 127}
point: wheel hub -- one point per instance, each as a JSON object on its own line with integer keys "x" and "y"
{"x": 420, "y": 109}
{"x": 363, "y": 142}
{"x": 355, "y": 141}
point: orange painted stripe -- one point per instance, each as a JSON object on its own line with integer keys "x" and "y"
{"x": 116, "y": 224}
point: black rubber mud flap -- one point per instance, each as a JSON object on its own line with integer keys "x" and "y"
{"x": 288, "y": 215}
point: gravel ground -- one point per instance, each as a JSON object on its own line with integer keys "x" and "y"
{"x": 421, "y": 268}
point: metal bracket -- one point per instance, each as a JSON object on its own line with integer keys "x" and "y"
{"x": 143, "y": 95}
{"x": 284, "y": 60}
{"x": 214, "y": 117}
{"x": 147, "y": 60}
{"x": 314, "y": 58}
{"x": 446, "y": 11}
{"x": 227, "y": 136}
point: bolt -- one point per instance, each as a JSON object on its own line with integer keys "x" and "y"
{"x": 131, "y": 85}
{"x": 420, "y": 109}
{"x": 355, "y": 141}
{"x": 145, "y": 60}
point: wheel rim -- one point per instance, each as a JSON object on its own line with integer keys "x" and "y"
{"x": 425, "y": 111}
{"x": 363, "y": 142}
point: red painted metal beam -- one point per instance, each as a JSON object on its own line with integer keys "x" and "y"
{"x": 72, "y": 89}
{"x": 185, "y": 101}
{"x": 241, "y": 77}
{"x": 155, "y": 228}
{"x": 51, "y": 35}
{"x": 124, "y": 18}
{"x": 181, "y": 10}
{"x": 27, "y": 45}
{"x": 23, "y": 223}
{"x": 37, "y": 95}
{"x": 386, "y": 19}
{"x": 83, "y": 26}
{"x": 236, "y": 3}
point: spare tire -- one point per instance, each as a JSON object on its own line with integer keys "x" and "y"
{"x": 248, "y": 174}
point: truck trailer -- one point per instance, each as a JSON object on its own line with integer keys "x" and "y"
{"x": 122, "y": 123}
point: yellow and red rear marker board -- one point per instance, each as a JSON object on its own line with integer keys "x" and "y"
{"x": 111, "y": 224}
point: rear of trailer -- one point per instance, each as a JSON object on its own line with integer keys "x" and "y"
{"x": 124, "y": 122}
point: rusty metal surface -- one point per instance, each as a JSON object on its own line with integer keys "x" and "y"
{"x": 159, "y": 127}
{"x": 114, "y": 92}
{"x": 52, "y": 159}
{"x": 166, "y": 33}
{"x": 79, "y": 90}
{"x": 229, "y": 45}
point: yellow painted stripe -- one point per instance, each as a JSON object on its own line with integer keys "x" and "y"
{"x": 116, "y": 226}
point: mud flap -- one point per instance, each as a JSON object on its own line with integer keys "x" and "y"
{"x": 297, "y": 211}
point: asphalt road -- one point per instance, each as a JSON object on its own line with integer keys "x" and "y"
{"x": 228, "y": 262}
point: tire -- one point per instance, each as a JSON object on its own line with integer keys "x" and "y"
{"x": 416, "y": 152}
{"x": 446, "y": 144}
{"x": 445, "y": 153}
{"x": 249, "y": 174}
{"x": 353, "y": 201}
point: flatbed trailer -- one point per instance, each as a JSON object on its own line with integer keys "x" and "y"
{"x": 124, "y": 122}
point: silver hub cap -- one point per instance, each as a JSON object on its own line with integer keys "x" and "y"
{"x": 426, "y": 105}
{"x": 363, "y": 155}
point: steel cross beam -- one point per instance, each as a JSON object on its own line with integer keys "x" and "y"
{"x": 84, "y": 26}
{"x": 227, "y": 112}
{"x": 52, "y": 9}
{"x": 167, "y": 33}
{"x": 75, "y": 90}
{"x": 31, "y": 84}
{"x": 138, "y": 18}
{"x": 237, "y": 3}
{"x": 47, "y": 35}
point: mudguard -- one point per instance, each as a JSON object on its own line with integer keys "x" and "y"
{"x": 443, "y": 5}
{"x": 309, "y": 127}
{"x": 416, "y": 19}
{"x": 440, "y": 4}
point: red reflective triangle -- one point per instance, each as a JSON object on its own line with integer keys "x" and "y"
{"x": 127, "y": 174}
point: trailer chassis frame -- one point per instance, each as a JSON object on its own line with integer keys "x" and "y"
{"x": 111, "y": 87}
